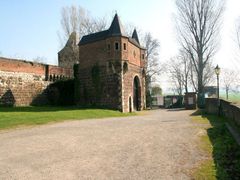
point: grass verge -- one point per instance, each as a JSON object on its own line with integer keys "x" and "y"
{"x": 220, "y": 146}
{"x": 25, "y": 116}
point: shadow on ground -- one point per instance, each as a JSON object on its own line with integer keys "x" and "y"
{"x": 45, "y": 108}
{"x": 177, "y": 109}
{"x": 226, "y": 152}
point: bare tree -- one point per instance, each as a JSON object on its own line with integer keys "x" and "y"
{"x": 238, "y": 33}
{"x": 230, "y": 81}
{"x": 77, "y": 19}
{"x": 176, "y": 76}
{"x": 208, "y": 75}
{"x": 128, "y": 29}
{"x": 236, "y": 50}
{"x": 237, "y": 45}
{"x": 152, "y": 63}
{"x": 185, "y": 69}
{"x": 198, "y": 23}
{"x": 39, "y": 59}
{"x": 179, "y": 72}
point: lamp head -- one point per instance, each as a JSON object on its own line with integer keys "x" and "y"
{"x": 217, "y": 70}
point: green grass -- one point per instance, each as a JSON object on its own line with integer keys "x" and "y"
{"x": 26, "y": 116}
{"x": 233, "y": 97}
{"x": 223, "y": 151}
{"x": 205, "y": 171}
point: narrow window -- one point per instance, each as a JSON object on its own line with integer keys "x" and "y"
{"x": 108, "y": 47}
{"x": 116, "y": 46}
{"x": 124, "y": 46}
{"x": 142, "y": 56}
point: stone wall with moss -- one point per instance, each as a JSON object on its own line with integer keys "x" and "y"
{"x": 98, "y": 85}
{"x": 22, "y": 89}
{"x": 24, "y": 83}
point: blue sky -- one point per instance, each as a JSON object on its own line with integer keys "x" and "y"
{"x": 29, "y": 27}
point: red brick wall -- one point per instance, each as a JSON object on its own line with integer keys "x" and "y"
{"x": 98, "y": 52}
{"x": 134, "y": 55}
{"x": 90, "y": 54}
{"x": 112, "y": 53}
{"x": 13, "y": 65}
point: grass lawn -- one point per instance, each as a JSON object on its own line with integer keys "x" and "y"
{"x": 24, "y": 116}
{"x": 222, "y": 150}
{"x": 233, "y": 97}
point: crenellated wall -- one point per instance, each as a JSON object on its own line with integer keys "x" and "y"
{"x": 23, "y": 83}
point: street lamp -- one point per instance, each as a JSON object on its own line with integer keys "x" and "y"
{"x": 217, "y": 72}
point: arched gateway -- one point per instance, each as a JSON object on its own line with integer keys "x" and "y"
{"x": 136, "y": 94}
{"x": 119, "y": 60}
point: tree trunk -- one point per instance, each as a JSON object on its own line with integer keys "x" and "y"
{"x": 227, "y": 93}
{"x": 186, "y": 87}
{"x": 200, "y": 102}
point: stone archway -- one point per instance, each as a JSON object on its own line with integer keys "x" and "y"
{"x": 136, "y": 94}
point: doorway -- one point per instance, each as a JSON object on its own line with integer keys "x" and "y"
{"x": 136, "y": 94}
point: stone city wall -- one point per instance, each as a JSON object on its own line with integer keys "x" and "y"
{"x": 24, "y": 83}
{"x": 227, "y": 109}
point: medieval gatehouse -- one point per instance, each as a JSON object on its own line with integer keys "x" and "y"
{"x": 110, "y": 70}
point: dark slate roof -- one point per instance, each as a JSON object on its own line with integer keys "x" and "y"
{"x": 135, "y": 36}
{"x": 116, "y": 29}
{"x": 94, "y": 37}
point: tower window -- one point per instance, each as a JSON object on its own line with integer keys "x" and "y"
{"x": 108, "y": 47}
{"x": 124, "y": 46}
{"x": 116, "y": 46}
{"x": 142, "y": 56}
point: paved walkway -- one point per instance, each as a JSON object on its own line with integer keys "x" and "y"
{"x": 159, "y": 145}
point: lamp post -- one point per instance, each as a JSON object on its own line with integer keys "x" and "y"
{"x": 217, "y": 72}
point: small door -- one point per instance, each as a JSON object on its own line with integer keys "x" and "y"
{"x": 136, "y": 94}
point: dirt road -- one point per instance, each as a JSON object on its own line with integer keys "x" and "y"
{"x": 159, "y": 145}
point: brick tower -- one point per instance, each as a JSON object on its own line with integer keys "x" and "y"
{"x": 111, "y": 71}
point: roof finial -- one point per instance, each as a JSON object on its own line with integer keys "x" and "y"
{"x": 116, "y": 27}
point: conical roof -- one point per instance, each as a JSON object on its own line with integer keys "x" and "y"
{"x": 135, "y": 36}
{"x": 116, "y": 28}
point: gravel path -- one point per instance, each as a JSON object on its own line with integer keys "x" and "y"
{"x": 159, "y": 145}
